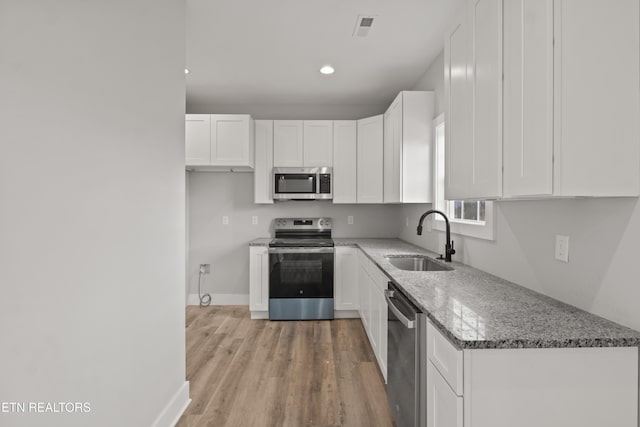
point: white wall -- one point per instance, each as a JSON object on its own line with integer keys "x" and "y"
{"x": 603, "y": 269}
{"x": 92, "y": 209}
{"x": 226, "y": 248}
{"x": 433, "y": 79}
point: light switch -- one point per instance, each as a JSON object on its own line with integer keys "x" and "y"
{"x": 225, "y": 220}
{"x": 254, "y": 220}
{"x": 350, "y": 219}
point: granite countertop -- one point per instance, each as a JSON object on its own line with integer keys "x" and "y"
{"x": 262, "y": 241}
{"x": 477, "y": 310}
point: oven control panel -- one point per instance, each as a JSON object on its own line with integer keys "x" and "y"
{"x": 302, "y": 223}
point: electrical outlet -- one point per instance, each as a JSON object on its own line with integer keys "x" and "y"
{"x": 254, "y": 220}
{"x": 562, "y": 248}
{"x": 205, "y": 268}
{"x": 225, "y": 220}
{"x": 350, "y": 219}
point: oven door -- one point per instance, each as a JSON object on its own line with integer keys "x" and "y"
{"x": 300, "y": 283}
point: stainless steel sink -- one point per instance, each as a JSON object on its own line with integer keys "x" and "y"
{"x": 414, "y": 262}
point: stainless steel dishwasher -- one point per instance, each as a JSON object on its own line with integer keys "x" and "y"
{"x": 404, "y": 352}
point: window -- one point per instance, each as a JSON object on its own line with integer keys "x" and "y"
{"x": 467, "y": 217}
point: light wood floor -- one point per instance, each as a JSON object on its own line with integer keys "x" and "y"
{"x": 247, "y": 372}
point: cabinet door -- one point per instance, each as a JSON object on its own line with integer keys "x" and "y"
{"x": 374, "y": 316}
{"x": 596, "y": 98}
{"x": 486, "y": 71}
{"x": 346, "y": 279}
{"x": 287, "y": 143}
{"x": 258, "y": 278}
{"x": 263, "y": 186}
{"x": 363, "y": 296}
{"x": 528, "y": 98}
{"x": 458, "y": 110}
{"x": 444, "y": 408}
{"x": 370, "y": 163}
{"x": 417, "y": 146}
{"x": 393, "y": 152}
{"x": 383, "y": 316}
{"x": 344, "y": 161}
{"x": 197, "y": 139}
{"x": 231, "y": 140}
{"x": 318, "y": 143}
{"x": 473, "y": 92}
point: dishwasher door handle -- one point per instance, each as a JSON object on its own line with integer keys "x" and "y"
{"x": 409, "y": 324}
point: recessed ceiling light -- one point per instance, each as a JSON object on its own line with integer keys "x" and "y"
{"x": 327, "y": 69}
{"x": 186, "y": 71}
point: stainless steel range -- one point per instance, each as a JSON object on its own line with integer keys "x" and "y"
{"x": 301, "y": 269}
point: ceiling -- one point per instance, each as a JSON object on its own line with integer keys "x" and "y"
{"x": 270, "y": 51}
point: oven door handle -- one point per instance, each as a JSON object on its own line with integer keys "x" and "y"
{"x": 409, "y": 324}
{"x": 301, "y": 250}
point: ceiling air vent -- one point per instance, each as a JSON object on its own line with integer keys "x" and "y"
{"x": 363, "y": 25}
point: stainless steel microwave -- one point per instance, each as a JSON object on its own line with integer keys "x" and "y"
{"x": 302, "y": 183}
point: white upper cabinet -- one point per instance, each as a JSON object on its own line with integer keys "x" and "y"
{"x": 458, "y": 109}
{"x": 288, "y": 147}
{"x": 596, "y": 98}
{"x": 486, "y": 71}
{"x": 571, "y": 123}
{"x": 302, "y": 143}
{"x": 369, "y": 160}
{"x": 197, "y": 139}
{"x": 528, "y": 98}
{"x": 263, "y": 186}
{"x": 344, "y": 161}
{"x": 219, "y": 141}
{"x": 232, "y": 140}
{"x": 408, "y": 148}
{"x": 473, "y": 83}
{"x": 567, "y": 119}
{"x": 318, "y": 143}
{"x": 392, "y": 152}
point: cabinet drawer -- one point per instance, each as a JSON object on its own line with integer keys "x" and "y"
{"x": 446, "y": 358}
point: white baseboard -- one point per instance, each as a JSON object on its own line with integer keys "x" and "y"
{"x": 221, "y": 299}
{"x": 175, "y": 408}
{"x": 259, "y": 315}
{"x": 346, "y": 314}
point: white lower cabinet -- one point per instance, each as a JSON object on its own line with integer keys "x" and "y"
{"x": 364, "y": 289}
{"x": 568, "y": 387}
{"x": 373, "y": 308}
{"x": 444, "y": 406}
{"x": 259, "y": 282}
{"x": 345, "y": 282}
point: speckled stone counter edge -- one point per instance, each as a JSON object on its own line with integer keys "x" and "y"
{"x": 633, "y": 340}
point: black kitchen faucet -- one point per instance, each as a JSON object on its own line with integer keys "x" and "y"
{"x": 448, "y": 247}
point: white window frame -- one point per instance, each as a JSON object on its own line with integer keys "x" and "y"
{"x": 481, "y": 230}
